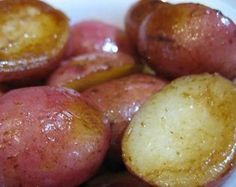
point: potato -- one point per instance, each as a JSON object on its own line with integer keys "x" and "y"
{"x": 49, "y": 137}
{"x": 119, "y": 100}
{"x": 187, "y": 39}
{"x": 185, "y": 134}
{"x": 27, "y": 49}
{"x": 120, "y": 179}
{"x": 86, "y": 70}
{"x": 136, "y": 15}
{"x": 96, "y": 36}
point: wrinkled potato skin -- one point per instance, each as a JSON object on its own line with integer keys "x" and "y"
{"x": 86, "y": 70}
{"x": 49, "y": 137}
{"x": 136, "y": 15}
{"x": 187, "y": 39}
{"x": 120, "y": 179}
{"x": 119, "y": 100}
{"x": 92, "y": 36}
{"x": 36, "y": 56}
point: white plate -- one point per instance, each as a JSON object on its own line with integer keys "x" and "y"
{"x": 113, "y": 11}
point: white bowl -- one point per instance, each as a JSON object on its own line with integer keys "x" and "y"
{"x": 113, "y": 12}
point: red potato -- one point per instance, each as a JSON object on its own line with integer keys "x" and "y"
{"x": 27, "y": 49}
{"x": 96, "y": 36}
{"x": 49, "y": 137}
{"x": 121, "y": 179}
{"x": 187, "y": 39}
{"x": 136, "y": 14}
{"x": 119, "y": 100}
{"x": 86, "y": 70}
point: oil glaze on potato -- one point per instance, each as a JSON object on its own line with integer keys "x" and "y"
{"x": 188, "y": 38}
{"x": 185, "y": 134}
{"x": 96, "y": 36}
{"x": 86, "y": 70}
{"x": 32, "y": 39}
{"x": 49, "y": 137}
{"x": 119, "y": 100}
{"x": 136, "y": 15}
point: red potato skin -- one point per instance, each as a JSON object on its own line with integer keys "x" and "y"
{"x": 119, "y": 100}
{"x": 187, "y": 39}
{"x": 96, "y": 36}
{"x": 136, "y": 14}
{"x": 49, "y": 137}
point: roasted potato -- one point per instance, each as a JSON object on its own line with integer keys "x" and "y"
{"x": 185, "y": 134}
{"x": 119, "y": 100}
{"x": 96, "y": 36}
{"x": 136, "y": 15}
{"x": 188, "y": 38}
{"x": 86, "y": 70}
{"x": 49, "y": 137}
{"x": 33, "y": 36}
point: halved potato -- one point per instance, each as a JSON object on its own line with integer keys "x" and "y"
{"x": 86, "y": 70}
{"x": 32, "y": 39}
{"x": 185, "y": 134}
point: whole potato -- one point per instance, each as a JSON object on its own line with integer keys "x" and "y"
{"x": 185, "y": 134}
{"x": 97, "y": 36}
{"x": 86, "y": 70}
{"x": 188, "y": 38}
{"x": 49, "y": 137}
{"x": 119, "y": 100}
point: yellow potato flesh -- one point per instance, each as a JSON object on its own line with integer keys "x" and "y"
{"x": 185, "y": 134}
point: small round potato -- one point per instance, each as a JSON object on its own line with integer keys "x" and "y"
{"x": 185, "y": 134}
{"x": 86, "y": 70}
{"x": 96, "y": 36}
{"x": 187, "y": 39}
{"x": 49, "y": 137}
{"x": 119, "y": 100}
{"x": 33, "y": 36}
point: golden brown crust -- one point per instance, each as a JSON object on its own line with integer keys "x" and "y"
{"x": 33, "y": 36}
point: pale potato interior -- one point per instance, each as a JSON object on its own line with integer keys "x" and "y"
{"x": 184, "y": 135}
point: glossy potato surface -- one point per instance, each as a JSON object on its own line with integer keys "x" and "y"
{"x": 49, "y": 137}
{"x": 119, "y": 100}
{"x": 185, "y": 134}
{"x": 136, "y": 14}
{"x": 86, "y": 70}
{"x": 188, "y": 38}
{"x": 97, "y": 36}
{"x": 32, "y": 38}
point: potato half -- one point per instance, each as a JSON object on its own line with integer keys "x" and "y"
{"x": 33, "y": 36}
{"x": 185, "y": 134}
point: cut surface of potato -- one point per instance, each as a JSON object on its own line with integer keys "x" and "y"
{"x": 86, "y": 70}
{"x": 32, "y": 38}
{"x": 185, "y": 134}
